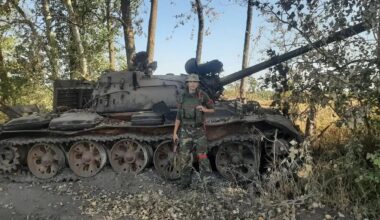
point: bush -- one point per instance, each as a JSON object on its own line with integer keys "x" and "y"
{"x": 349, "y": 176}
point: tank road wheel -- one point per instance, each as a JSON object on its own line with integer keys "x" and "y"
{"x": 128, "y": 156}
{"x": 165, "y": 161}
{"x": 150, "y": 152}
{"x": 45, "y": 160}
{"x": 86, "y": 158}
{"x": 9, "y": 159}
{"x": 238, "y": 161}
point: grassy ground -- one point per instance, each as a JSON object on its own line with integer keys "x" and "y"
{"x": 341, "y": 167}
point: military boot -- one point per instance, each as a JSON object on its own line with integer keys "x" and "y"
{"x": 185, "y": 180}
{"x": 205, "y": 182}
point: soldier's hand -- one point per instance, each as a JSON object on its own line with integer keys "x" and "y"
{"x": 175, "y": 140}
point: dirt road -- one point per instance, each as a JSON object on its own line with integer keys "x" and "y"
{"x": 146, "y": 196}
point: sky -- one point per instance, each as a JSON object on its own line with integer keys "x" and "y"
{"x": 225, "y": 42}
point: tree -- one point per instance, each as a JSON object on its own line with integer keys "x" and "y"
{"x": 35, "y": 39}
{"x": 247, "y": 40}
{"x": 110, "y": 37}
{"x": 343, "y": 75}
{"x": 38, "y": 45}
{"x": 199, "y": 13}
{"x": 73, "y": 23}
{"x": 129, "y": 39}
{"x": 199, "y": 9}
{"x": 378, "y": 35}
{"x": 152, "y": 30}
{"x": 52, "y": 50}
{"x": 3, "y": 74}
{"x": 4, "y": 10}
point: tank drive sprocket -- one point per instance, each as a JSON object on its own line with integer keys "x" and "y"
{"x": 9, "y": 159}
{"x": 238, "y": 161}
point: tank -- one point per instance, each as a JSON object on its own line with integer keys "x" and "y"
{"x": 125, "y": 119}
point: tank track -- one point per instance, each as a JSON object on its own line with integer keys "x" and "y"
{"x": 97, "y": 138}
{"x": 26, "y": 176}
{"x": 10, "y": 159}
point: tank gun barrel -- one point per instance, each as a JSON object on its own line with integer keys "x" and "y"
{"x": 337, "y": 36}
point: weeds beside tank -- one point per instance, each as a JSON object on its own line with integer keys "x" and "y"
{"x": 126, "y": 119}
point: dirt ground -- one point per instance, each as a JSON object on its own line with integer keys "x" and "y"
{"x": 109, "y": 195}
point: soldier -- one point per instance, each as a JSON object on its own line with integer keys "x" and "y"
{"x": 190, "y": 119}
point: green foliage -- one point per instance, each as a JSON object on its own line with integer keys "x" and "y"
{"x": 209, "y": 11}
{"x": 26, "y": 71}
{"x": 351, "y": 176}
{"x": 344, "y": 75}
{"x": 375, "y": 159}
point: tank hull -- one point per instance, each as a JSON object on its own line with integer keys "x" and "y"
{"x": 110, "y": 136}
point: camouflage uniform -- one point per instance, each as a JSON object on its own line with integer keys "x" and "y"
{"x": 192, "y": 135}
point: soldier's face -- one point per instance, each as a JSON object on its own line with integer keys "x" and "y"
{"x": 192, "y": 86}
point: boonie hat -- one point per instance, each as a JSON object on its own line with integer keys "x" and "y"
{"x": 192, "y": 78}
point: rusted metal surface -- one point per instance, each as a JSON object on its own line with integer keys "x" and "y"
{"x": 71, "y": 94}
{"x": 86, "y": 158}
{"x": 164, "y": 161}
{"x": 129, "y": 156}
{"x": 134, "y": 91}
{"x": 45, "y": 160}
{"x": 238, "y": 160}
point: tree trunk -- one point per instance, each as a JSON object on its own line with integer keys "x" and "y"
{"x": 310, "y": 121}
{"x": 73, "y": 21}
{"x": 110, "y": 38}
{"x": 152, "y": 30}
{"x": 378, "y": 35}
{"x": 129, "y": 37}
{"x": 35, "y": 59}
{"x": 199, "y": 8}
{"x": 52, "y": 50}
{"x": 3, "y": 76}
{"x": 247, "y": 40}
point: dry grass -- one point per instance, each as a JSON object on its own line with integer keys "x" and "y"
{"x": 3, "y": 118}
{"x": 339, "y": 173}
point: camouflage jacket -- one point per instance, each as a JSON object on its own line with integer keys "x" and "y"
{"x": 187, "y": 112}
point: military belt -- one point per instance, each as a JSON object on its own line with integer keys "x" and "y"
{"x": 192, "y": 125}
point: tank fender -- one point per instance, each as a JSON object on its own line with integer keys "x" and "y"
{"x": 285, "y": 124}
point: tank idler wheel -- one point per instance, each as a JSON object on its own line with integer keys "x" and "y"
{"x": 9, "y": 159}
{"x": 166, "y": 161}
{"x": 45, "y": 160}
{"x": 86, "y": 158}
{"x": 238, "y": 161}
{"x": 128, "y": 156}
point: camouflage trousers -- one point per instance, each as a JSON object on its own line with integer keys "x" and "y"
{"x": 192, "y": 142}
